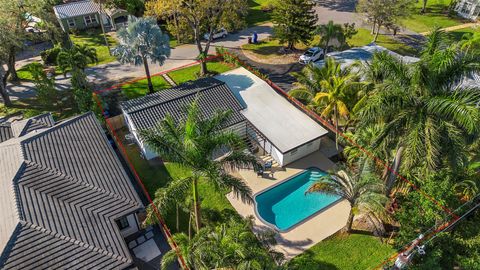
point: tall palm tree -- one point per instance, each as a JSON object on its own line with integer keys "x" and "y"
{"x": 423, "y": 106}
{"x": 194, "y": 144}
{"x": 230, "y": 245}
{"x": 328, "y": 32}
{"x": 140, "y": 42}
{"x": 361, "y": 188}
{"x": 77, "y": 57}
{"x": 330, "y": 90}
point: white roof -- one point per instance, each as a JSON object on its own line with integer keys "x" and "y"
{"x": 284, "y": 125}
{"x": 75, "y": 9}
{"x": 365, "y": 53}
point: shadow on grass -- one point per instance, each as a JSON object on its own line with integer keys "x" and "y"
{"x": 307, "y": 261}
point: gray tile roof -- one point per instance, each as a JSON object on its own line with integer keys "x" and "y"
{"x": 61, "y": 190}
{"x": 5, "y": 132}
{"x": 75, "y": 9}
{"x": 212, "y": 94}
{"x": 19, "y": 128}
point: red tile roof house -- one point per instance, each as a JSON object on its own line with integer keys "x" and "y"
{"x": 66, "y": 200}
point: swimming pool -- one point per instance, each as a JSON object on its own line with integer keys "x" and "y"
{"x": 286, "y": 204}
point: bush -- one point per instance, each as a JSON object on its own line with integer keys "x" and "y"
{"x": 267, "y": 7}
{"x": 49, "y": 57}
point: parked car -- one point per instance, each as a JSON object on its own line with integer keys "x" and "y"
{"x": 222, "y": 33}
{"x": 311, "y": 55}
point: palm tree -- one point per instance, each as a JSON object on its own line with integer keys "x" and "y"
{"x": 362, "y": 189}
{"x": 194, "y": 144}
{"x": 330, "y": 90}
{"x": 77, "y": 57}
{"x": 423, "y": 107}
{"x": 140, "y": 42}
{"x": 328, "y": 32}
{"x": 230, "y": 245}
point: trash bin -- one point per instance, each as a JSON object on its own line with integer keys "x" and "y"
{"x": 249, "y": 40}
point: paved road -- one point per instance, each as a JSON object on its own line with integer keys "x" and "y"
{"x": 112, "y": 73}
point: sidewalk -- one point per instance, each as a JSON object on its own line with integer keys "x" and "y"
{"x": 456, "y": 27}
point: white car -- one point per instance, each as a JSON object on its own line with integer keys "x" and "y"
{"x": 222, "y": 33}
{"x": 311, "y": 55}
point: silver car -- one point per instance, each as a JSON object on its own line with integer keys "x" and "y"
{"x": 311, "y": 55}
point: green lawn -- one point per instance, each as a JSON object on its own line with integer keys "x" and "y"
{"x": 352, "y": 252}
{"x": 94, "y": 38}
{"x": 24, "y": 73}
{"x": 436, "y": 15}
{"x": 140, "y": 88}
{"x": 255, "y": 14}
{"x": 363, "y": 37}
{"x": 157, "y": 176}
{"x": 191, "y": 73}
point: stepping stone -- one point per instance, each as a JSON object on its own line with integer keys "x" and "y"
{"x": 141, "y": 239}
{"x": 132, "y": 244}
{"x": 149, "y": 235}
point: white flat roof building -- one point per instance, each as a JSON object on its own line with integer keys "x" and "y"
{"x": 283, "y": 124}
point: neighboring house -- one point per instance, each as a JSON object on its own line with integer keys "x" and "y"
{"x": 87, "y": 14}
{"x": 260, "y": 114}
{"x": 66, "y": 200}
{"x": 469, "y": 9}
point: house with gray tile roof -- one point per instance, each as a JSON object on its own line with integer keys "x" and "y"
{"x": 211, "y": 94}
{"x": 67, "y": 202}
{"x": 19, "y": 128}
{"x": 88, "y": 14}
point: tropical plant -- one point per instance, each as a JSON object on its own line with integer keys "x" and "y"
{"x": 424, "y": 107}
{"x": 82, "y": 91}
{"x": 471, "y": 41}
{"x": 328, "y": 32}
{"x": 76, "y": 58}
{"x": 362, "y": 189}
{"x": 140, "y": 42}
{"x": 230, "y": 245}
{"x": 44, "y": 86}
{"x": 294, "y": 21}
{"x": 330, "y": 90}
{"x": 194, "y": 143}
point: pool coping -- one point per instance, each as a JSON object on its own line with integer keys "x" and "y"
{"x": 316, "y": 213}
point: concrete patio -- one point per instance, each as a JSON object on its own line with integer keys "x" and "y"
{"x": 312, "y": 230}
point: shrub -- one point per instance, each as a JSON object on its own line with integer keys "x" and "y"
{"x": 267, "y": 7}
{"x": 49, "y": 57}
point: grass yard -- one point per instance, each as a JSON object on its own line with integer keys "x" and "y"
{"x": 157, "y": 176}
{"x": 363, "y": 37}
{"x": 94, "y": 38}
{"x": 140, "y": 88}
{"x": 345, "y": 252}
{"x": 191, "y": 73}
{"x": 24, "y": 73}
{"x": 435, "y": 15}
{"x": 255, "y": 14}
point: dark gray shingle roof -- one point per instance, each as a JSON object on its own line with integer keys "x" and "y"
{"x": 62, "y": 188}
{"x": 75, "y": 9}
{"x": 212, "y": 94}
{"x": 5, "y": 132}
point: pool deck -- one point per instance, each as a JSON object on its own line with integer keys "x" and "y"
{"x": 311, "y": 231}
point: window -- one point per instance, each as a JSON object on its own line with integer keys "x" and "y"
{"x": 89, "y": 19}
{"x": 123, "y": 223}
{"x": 293, "y": 152}
{"x": 71, "y": 22}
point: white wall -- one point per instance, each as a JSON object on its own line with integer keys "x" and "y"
{"x": 132, "y": 226}
{"x": 301, "y": 152}
{"x": 147, "y": 153}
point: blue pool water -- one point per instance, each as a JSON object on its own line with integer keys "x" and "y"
{"x": 286, "y": 205}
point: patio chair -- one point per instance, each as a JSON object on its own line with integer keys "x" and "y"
{"x": 268, "y": 165}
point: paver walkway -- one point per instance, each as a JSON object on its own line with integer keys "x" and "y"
{"x": 456, "y": 27}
